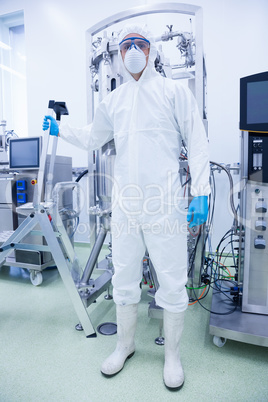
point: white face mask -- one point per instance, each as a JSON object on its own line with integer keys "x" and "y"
{"x": 135, "y": 60}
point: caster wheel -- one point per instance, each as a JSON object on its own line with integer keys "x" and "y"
{"x": 160, "y": 340}
{"x": 79, "y": 327}
{"x": 218, "y": 341}
{"x": 36, "y": 278}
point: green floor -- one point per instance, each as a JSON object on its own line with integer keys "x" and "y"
{"x": 43, "y": 357}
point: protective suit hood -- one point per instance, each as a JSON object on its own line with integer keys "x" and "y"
{"x": 143, "y": 31}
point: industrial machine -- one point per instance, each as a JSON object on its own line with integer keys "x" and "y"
{"x": 18, "y": 180}
{"x": 247, "y": 322}
{"x": 44, "y": 217}
{"x": 5, "y": 137}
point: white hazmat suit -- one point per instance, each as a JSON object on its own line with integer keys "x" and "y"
{"x": 148, "y": 120}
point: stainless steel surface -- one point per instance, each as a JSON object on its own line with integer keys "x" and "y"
{"x": 105, "y": 174}
{"x": 238, "y": 326}
{"x": 196, "y": 84}
{"x": 6, "y": 181}
{"x": 100, "y": 285}
{"x": 62, "y": 195}
{"x": 243, "y": 198}
{"x": 248, "y": 323}
{"x": 104, "y": 50}
{"x": 12, "y": 214}
{"x": 253, "y": 260}
{"x": 8, "y": 246}
{"x": 5, "y": 136}
{"x": 64, "y": 266}
{"x": 50, "y": 173}
{"x": 144, "y": 10}
{"x": 38, "y": 194}
{"x": 96, "y": 249}
{"x": 61, "y": 250}
{"x": 255, "y": 283}
{"x": 7, "y": 218}
{"x": 44, "y": 220}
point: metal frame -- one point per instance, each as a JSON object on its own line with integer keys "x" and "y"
{"x": 197, "y": 84}
{"x": 35, "y": 261}
{"x": 248, "y": 323}
{"x": 255, "y": 300}
{"x": 161, "y": 8}
{"x": 45, "y": 217}
{"x": 61, "y": 249}
{"x": 237, "y": 326}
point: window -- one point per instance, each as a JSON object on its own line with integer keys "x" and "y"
{"x": 13, "y": 98}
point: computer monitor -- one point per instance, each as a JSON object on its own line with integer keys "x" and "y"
{"x": 24, "y": 153}
{"x": 254, "y": 103}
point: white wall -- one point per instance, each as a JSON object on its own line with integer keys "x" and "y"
{"x": 235, "y": 36}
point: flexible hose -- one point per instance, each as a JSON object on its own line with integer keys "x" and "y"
{"x": 81, "y": 175}
{"x": 231, "y": 192}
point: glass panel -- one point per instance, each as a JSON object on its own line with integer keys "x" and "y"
{"x": 13, "y": 96}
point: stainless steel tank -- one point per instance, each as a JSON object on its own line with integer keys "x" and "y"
{"x": 105, "y": 175}
{"x": 105, "y": 69}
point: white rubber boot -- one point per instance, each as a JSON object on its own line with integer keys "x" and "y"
{"x": 125, "y": 347}
{"x": 173, "y": 372}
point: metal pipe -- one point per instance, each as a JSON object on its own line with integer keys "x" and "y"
{"x": 145, "y": 10}
{"x": 231, "y": 193}
{"x": 168, "y": 36}
{"x": 38, "y": 188}
{"x": 62, "y": 186}
{"x": 154, "y": 275}
{"x": 93, "y": 256}
{"x": 49, "y": 182}
{"x": 243, "y": 196}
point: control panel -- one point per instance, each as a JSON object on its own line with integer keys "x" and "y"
{"x": 258, "y": 157}
{"x": 21, "y": 187}
{"x": 258, "y": 215}
{"x": 255, "y": 286}
{"x": 25, "y": 187}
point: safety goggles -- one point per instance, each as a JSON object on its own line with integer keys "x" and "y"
{"x": 128, "y": 43}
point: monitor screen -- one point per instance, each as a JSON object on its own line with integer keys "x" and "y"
{"x": 257, "y": 102}
{"x": 254, "y": 103}
{"x": 24, "y": 153}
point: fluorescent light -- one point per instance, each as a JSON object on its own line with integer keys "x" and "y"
{"x": 11, "y": 71}
{"x": 4, "y": 46}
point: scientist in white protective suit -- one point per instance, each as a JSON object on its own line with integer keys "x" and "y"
{"x": 148, "y": 116}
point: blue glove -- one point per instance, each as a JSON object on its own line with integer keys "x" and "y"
{"x": 198, "y": 211}
{"x": 54, "y": 128}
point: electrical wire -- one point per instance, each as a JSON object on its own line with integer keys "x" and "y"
{"x": 215, "y": 312}
{"x": 221, "y": 274}
{"x": 81, "y": 175}
{"x": 200, "y": 297}
{"x": 217, "y": 278}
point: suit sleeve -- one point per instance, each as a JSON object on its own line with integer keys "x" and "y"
{"x": 92, "y": 136}
{"x": 194, "y": 135}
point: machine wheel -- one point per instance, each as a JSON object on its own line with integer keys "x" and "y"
{"x": 218, "y": 341}
{"x": 36, "y": 278}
